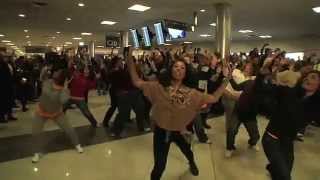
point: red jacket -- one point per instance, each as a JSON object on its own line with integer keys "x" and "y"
{"x": 80, "y": 85}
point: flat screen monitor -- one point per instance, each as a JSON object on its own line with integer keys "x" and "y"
{"x": 135, "y": 39}
{"x": 176, "y": 33}
{"x": 159, "y": 34}
{"x": 146, "y": 36}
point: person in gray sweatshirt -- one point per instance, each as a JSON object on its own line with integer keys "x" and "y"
{"x": 50, "y": 107}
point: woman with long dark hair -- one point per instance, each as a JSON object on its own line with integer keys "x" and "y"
{"x": 174, "y": 106}
{"x": 292, "y": 106}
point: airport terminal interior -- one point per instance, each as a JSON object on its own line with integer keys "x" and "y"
{"x": 150, "y": 90}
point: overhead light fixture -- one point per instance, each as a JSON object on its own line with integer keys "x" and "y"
{"x": 68, "y": 19}
{"x": 100, "y": 46}
{"x": 22, "y": 15}
{"x": 81, "y": 43}
{"x": 108, "y": 22}
{"x": 265, "y": 36}
{"x": 81, "y": 4}
{"x": 187, "y": 42}
{"x": 6, "y": 41}
{"x": 139, "y": 7}
{"x": 205, "y": 35}
{"x": 316, "y": 9}
{"x": 1, "y": 35}
{"x": 58, "y": 32}
{"x": 86, "y": 34}
{"x": 28, "y": 42}
{"x": 27, "y": 36}
{"x": 77, "y": 38}
{"x": 245, "y": 31}
{"x": 213, "y": 24}
{"x": 10, "y": 44}
{"x": 53, "y": 37}
{"x": 202, "y": 10}
{"x": 26, "y": 30}
{"x": 192, "y": 28}
{"x": 68, "y": 43}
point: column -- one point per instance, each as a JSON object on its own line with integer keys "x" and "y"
{"x": 223, "y": 29}
{"x": 124, "y": 35}
{"x": 92, "y": 49}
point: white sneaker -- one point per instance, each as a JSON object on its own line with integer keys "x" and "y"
{"x": 79, "y": 148}
{"x": 228, "y": 153}
{"x": 36, "y": 158}
{"x": 255, "y": 148}
{"x": 147, "y": 129}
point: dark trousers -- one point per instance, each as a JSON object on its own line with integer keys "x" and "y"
{"x": 83, "y": 106}
{"x": 199, "y": 128}
{"x": 112, "y": 108}
{"x": 127, "y": 101}
{"x": 280, "y": 155}
{"x": 161, "y": 145}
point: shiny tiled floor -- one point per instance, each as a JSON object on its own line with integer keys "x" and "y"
{"x": 131, "y": 158}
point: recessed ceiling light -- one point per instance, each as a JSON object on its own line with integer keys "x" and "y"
{"x": 22, "y": 15}
{"x": 139, "y": 7}
{"x": 100, "y": 46}
{"x": 245, "y": 31}
{"x": 26, "y": 30}
{"x": 53, "y": 37}
{"x": 187, "y": 42}
{"x": 81, "y": 43}
{"x": 6, "y": 41}
{"x": 10, "y": 44}
{"x": 81, "y": 4}
{"x": 27, "y": 36}
{"x": 58, "y": 32}
{"x": 86, "y": 34}
{"x": 77, "y": 38}
{"x": 1, "y": 35}
{"x": 265, "y": 36}
{"x": 316, "y": 9}
{"x": 68, "y": 43}
{"x": 202, "y": 10}
{"x": 108, "y": 22}
{"x": 205, "y": 35}
{"x": 213, "y": 24}
{"x": 28, "y": 42}
{"x": 68, "y": 19}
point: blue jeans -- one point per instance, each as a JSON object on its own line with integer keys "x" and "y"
{"x": 280, "y": 155}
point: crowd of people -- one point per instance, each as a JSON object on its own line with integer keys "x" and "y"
{"x": 173, "y": 92}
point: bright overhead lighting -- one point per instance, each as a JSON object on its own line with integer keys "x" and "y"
{"x": 1, "y": 35}
{"x": 139, "y": 7}
{"x": 27, "y": 36}
{"x": 213, "y": 24}
{"x": 81, "y": 4}
{"x": 10, "y": 44}
{"x": 265, "y": 36}
{"x": 81, "y": 43}
{"x": 77, "y": 38}
{"x": 53, "y": 37}
{"x": 205, "y": 35}
{"x": 202, "y": 10}
{"x": 245, "y": 31}
{"x": 22, "y": 15}
{"x": 68, "y": 43}
{"x": 6, "y": 41}
{"x": 86, "y": 34}
{"x": 316, "y": 9}
{"x": 26, "y": 30}
{"x": 187, "y": 42}
{"x": 68, "y": 19}
{"x": 58, "y": 32}
{"x": 108, "y": 22}
{"x": 100, "y": 46}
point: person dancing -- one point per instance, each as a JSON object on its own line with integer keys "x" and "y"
{"x": 174, "y": 106}
{"x": 50, "y": 106}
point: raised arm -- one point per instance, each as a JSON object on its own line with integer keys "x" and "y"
{"x": 133, "y": 71}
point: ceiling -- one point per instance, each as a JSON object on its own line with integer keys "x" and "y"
{"x": 280, "y": 19}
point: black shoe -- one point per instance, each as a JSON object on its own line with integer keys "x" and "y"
{"x": 25, "y": 109}
{"x": 11, "y": 118}
{"x": 194, "y": 169}
{"x": 207, "y": 126}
